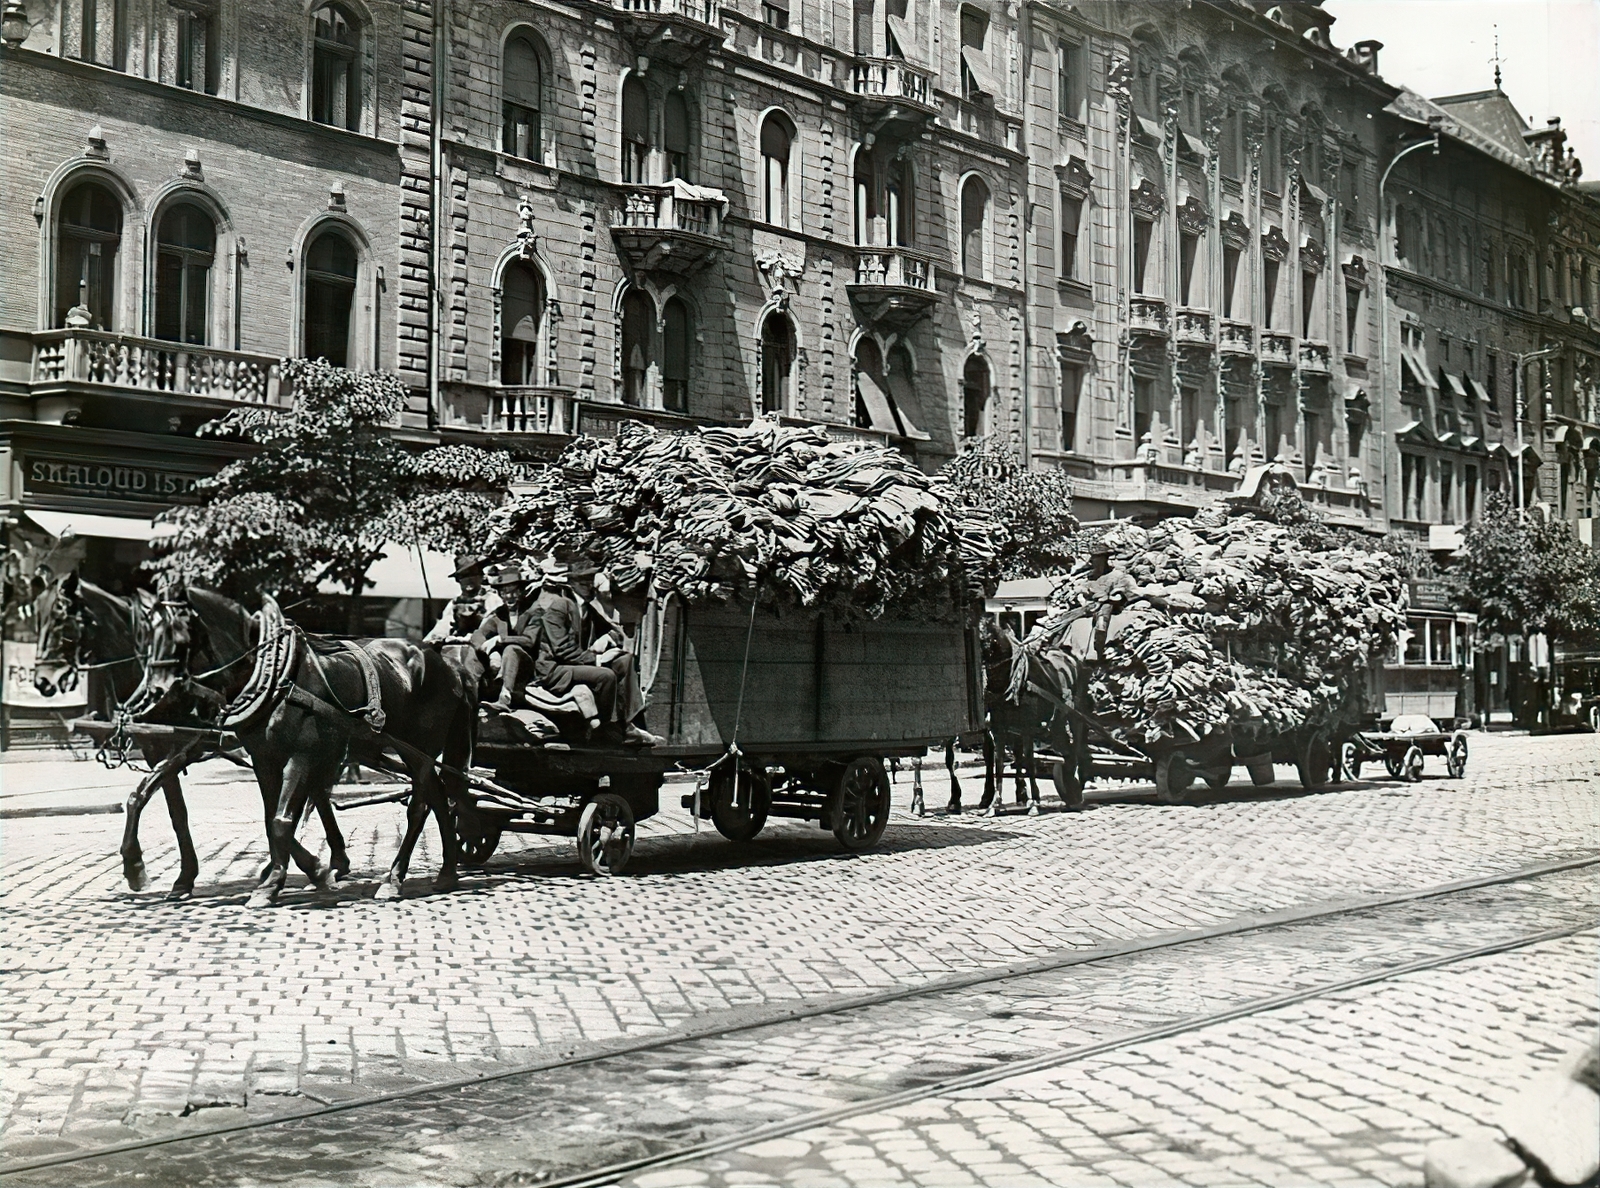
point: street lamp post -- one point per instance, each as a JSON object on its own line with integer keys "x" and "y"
{"x": 1522, "y": 361}
{"x": 1432, "y": 142}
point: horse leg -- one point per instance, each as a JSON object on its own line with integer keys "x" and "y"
{"x": 269, "y": 776}
{"x": 988, "y": 773}
{"x": 1033, "y": 778}
{"x": 917, "y": 806}
{"x": 427, "y": 787}
{"x": 416, "y": 818}
{"x": 189, "y": 864}
{"x": 1024, "y": 741}
{"x": 132, "y": 854}
{"x": 955, "y": 785}
{"x": 338, "y": 857}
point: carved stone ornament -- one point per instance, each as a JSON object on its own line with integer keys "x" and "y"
{"x": 1234, "y": 231}
{"x": 1193, "y": 216}
{"x": 781, "y": 274}
{"x": 1313, "y": 255}
{"x": 976, "y": 344}
{"x": 527, "y": 239}
{"x": 1146, "y": 199}
{"x": 1273, "y": 245}
{"x": 1355, "y": 271}
{"x": 1075, "y": 177}
{"x": 1076, "y": 345}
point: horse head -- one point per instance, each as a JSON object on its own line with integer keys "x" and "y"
{"x": 58, "y": 654}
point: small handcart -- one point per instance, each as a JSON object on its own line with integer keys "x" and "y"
{"x": 1403, "y": 746}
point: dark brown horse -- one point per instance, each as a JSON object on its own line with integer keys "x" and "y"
{"x": 327, "y": 707}
{"x": 1027, "y": 695}
{"x": 83, "y": 628}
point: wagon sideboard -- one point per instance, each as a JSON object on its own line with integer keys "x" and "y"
{"x": 813, "y": 682}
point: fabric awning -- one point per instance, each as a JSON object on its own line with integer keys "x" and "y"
{"x": 1195, "y": 146}
{"x": 876, "y": 402}
{"x": 982, "y": 74}
{"x": 903, "y": 397}
{"x": 1150, "y": 128}
{"x": 58, "y": 524}
{"x": 398, "y": 574}
{"x": 1456, "y": 386}
{"x": 1418, "y": 369}
{"x": 1478, "y": 391}
{"x": 905, "y": 41}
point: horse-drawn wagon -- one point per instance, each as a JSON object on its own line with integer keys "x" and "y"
{"x": 774, "y": 714}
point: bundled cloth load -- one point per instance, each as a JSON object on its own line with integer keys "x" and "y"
{"x": 771, "y": 512}
{"x": 1238, "y": 621}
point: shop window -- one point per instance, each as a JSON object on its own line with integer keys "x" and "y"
{"x": 88, "y": 239}
{"x": 522, "y": 306}
{"x": 522, "y": 101}
{"x": 677, "y": 336}
{"x": 635, "y": 132}
{"x": 1071, "y": 396}
{"x": 330, "y": 290}
{"x": 777, "y": 142}
{"x": 777, "y": 363}
{"x": 638, "y": 347}
{"x": 335, "y": 68}
{"x": 1142, "y": 231}
{"x": 1071, "y": 224}
{"x": 186, "y": 243}
{"x": 976, "y": 415}
{"x": 675, "y": 135}
{"x": 974, "y": 227}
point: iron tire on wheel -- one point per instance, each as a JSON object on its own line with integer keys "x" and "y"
{"x": 740, "y": 822}
{"x": 1349, "y": 760}
{"x": 1455, "y": 759}
{"x": 861, "y": 803}
{"x": 1069, "y": 788}
{"x": 605, "y": 834}
{"x": 1217, "y": 780}
{"x": 1411, "y": 764}
{"x": 1174, "y": 777}
{"x": 1393, "y": 765}
{"x": 1315, "y": 764}
{"x": 476, "y": 838}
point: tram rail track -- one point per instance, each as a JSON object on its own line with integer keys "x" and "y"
{"x": 773, "y": 1016}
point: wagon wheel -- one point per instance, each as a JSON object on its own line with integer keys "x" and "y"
{"x": 605, "y": 834}
{"x": 740, "y": 801}
{"x": 1069, "y": 788}
{"x": 861, "y": 804}
{"x": 1173, "y": 778}
{"x": 1217, "y": 779}
{"x": 1350, "y": 760}
{"x": 1455, "y": 759}
{"x": 476, "y": 838}
{"x": 1411, "y": 764}
{"x": 1315, "y": 761}
{"x": 1392, "y": 764}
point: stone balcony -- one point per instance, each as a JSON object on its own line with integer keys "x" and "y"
{"x": 893, "y": 286}
{"x": 530, "y": 410}
{"x": 78, "y": 361}
{"x": 1194, "y": 326}
{"x": 1277, "y": 348}
{"x": 673, "y": 31}
{"x": 1315, "y": 356}
{"x": 1236, "y": 338}
{"x": 663, "y": 229}
{"x": 894, "y": 97}
{"x": 1147, "y": 315}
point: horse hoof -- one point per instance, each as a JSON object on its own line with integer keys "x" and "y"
{"x": 443, "y": 882}
{"x": 137, "y": 879}
{"x": 261, "y": 898}
{"x": 387, "y": 890}
{"x": 1033, "y": 810}
{"x": 953, "y": 808}
{"x": 341, "y": 869}
{"x": 326, "y": 880}
{"x": 181, "y": 891}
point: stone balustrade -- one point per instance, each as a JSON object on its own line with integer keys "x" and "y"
{"x": 79, "y": 356}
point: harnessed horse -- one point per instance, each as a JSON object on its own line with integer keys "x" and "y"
{"x": 306, "y": 705}
{"x": 1028, "y": 693}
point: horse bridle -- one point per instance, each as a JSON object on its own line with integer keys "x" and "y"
{"x": 74, "y": 662}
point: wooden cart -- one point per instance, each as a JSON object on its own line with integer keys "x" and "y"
{"x": 775, "y": 714}
{"x": 1403, "y": 746}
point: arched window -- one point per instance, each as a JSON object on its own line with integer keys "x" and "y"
{"x": 777, "y": 363}
{"x": 335, "y": 67}
{"x": 330, "y": 280}
{"x": 974, "y": 223}
{"x": 677, "y": 335}
{"x": 88, "y": 234}
{"x": 635, "y": 132}
{"x": 675, "y": 135}
{"x": 884, "y": 389}
{"x": 900, "y": 204}
{"x": 872, "y": 402}
{"x": 638, "y": 353}
{"x": 522, "y": 303}
{"x": 975, "y": 397}
{"x": 186, "y": 242}
{"x": 777, "y": 141}
{"x": 521, "y": 103}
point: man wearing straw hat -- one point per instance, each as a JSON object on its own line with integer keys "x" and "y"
{"x": 509, "y": 636}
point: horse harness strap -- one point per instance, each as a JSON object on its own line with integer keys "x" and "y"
{"x": 372, "y": 712}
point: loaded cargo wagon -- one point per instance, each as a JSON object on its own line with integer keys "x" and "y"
{"x": 779, "y": 713}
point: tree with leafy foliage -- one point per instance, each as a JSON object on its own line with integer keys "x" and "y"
{"x": 1034, "y": 506}
{"x": 326, "y": 489}
{"x": 1523, "y": 573}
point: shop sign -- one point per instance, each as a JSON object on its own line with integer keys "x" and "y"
{"x": 19, "y": 689}
{"x": 45, "y": 475}
{"x": 1430, "y": 594}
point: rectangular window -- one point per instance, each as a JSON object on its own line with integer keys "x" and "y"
{"x": 775, "y": 13}
{"x": 1189, "y": 414}
{"x": 1272, "y": 159}
{"x": 1269, "y": 291}
{"x": 1357, "y": 429}
{"x": 1347, "y": 186}
{"x": 1469, "y": 493}
{"x": 1233, "y": 154}
{"x": 1188, "y": 248}
{"x": 1493, "y": 381}
{"x": 1440, "y": 636}
{"x": 1069, "y": 80}
{"x": 1352, "y": 319}
{"x": 1447, "y": 493}
{"x": 1071, "y": 393}
{"x": 1142, "y": 229}
{"x": 1413, "y": 487}
{"x": 1416, "y": 641}
{"x": 1272, "y": 429}
{"x": 1230, "y": 279}
{"x": 1233, "y": 410}
{"x": 1071, "y": 221}
{"x": 1143, "y": 391}
{"x": 1308, "y": 302}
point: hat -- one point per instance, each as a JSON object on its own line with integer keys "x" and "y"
{"x": 509, "y": 574}
{"x": 1100, "y": 548}
{"x": 467, "y": 563}
{"x": 554, "y": 570}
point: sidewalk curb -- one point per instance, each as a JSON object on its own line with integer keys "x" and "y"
{"x": 66, "y": 810}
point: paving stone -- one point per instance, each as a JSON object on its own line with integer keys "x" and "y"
{"x": 1473, "y": 1163}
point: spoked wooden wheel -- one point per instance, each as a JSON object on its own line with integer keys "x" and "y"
{"x": 740, "y": 801}
{"x": 476, "y": 837}
{"x": 861, "y": 804}
{"x": 1392, "y": 764}
{"x": 1455, "y": 759}
{"x": 605, "y": 834}
{"x": 1411, "y": 764}
{"x": 1174, "y": 777}
{"x": 1315, "y": 761}
{"x": 1349, "y": 760}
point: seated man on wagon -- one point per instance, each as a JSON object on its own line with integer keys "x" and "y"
{"x": 453, "y": 633}
{"x": 508, "y": 637}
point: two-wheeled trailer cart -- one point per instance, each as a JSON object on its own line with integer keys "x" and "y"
{"x": 775, "y": 714}
{"x": 1402, "y": 748}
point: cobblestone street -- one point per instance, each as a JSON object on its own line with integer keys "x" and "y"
{"x": 128, "y": 1017}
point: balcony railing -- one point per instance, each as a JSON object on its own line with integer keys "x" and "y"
{"x": 1147, "y": 315}
{"x": 1277, "y": 347}
{"x": 1194, "y": 325}
{"x": 707, "y": 12}
{"x": 1314, "y": 356}
{"x": 1237, "y": 338}
{"x": 891, "y": 78}
{"x": 894, "y": 266}
{"x": 530, "y": 410}
{"x": 155, "y": 365}
{"x": 661, "y": 208}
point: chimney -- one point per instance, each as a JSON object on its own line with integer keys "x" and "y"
{"x": 1365, "y": 55}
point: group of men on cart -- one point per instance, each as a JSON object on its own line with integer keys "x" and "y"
{"x": 549, "y": 627}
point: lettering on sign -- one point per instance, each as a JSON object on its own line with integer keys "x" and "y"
{"x": 1430, "y": 594}
{"x": 18, "y": 660}
{"x": 109, "y": 480}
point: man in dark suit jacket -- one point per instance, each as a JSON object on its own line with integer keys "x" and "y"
{"x": 509, "y": 635}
